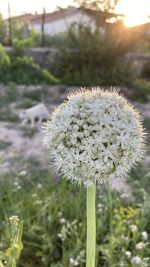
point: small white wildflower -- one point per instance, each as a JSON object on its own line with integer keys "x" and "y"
{"x": 23, "y": 173}
{"x": 14, "y": 219}
{"x": 18, "y": 187}
{"x": 94, "y": 135}
{"x": 73, "y": 262}
{"x": 38, "y": 202}
{"x": 140, "y": 246}
{"x": 60, "y": 214}
{"x": 62, "y": 221}
{"x": 128, "y": 254}
{"x": 59, "y": 235}
{"x": 144, "y": 235}
{"x": 34, "y": 195}
{"x": 136, "y": 260}
{"x": 134, "y": 228}
{"x": 146, "y": 259}
{"x": 39, "y": 186}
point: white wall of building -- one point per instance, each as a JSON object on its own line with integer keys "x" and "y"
{"x": 62, "y": 25}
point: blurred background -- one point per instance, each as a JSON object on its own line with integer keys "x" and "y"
{"x": 48, "y": 49}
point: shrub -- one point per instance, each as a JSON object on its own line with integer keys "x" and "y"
{"x": 146, "y": 70}
{"x": 141, "y": 90}
{"x": 94, "y": 58}
{"x": 22, "y": 69}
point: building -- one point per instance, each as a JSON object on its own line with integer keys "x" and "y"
{"x": 61, "y": 20}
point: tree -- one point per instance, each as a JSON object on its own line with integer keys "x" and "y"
{"x": 2, "y": 31}
{"x": 102, "y": 10}
{"x": 101, "y": 5}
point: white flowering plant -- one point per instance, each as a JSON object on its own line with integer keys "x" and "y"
{"x": 129, "y": 244}
{"x": 96, "y": 136}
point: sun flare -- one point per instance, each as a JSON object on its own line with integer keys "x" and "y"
{"x": 136, "y": 11}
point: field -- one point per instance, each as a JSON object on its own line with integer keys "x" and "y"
{"x": 54, "y": 211}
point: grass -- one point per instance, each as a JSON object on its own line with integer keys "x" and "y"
{"x": 6, "y": 115}
{"x": 141, "y": 90}
{"x": 26, "y": 103}
{"x": 4, "y": 144}
{"x": 54, "y": 218}
{"x": 28, "y": 132}
{"x": 146, "y": 124}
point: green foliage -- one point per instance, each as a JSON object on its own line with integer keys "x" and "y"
{"x": 28, "y": 132}
{"x": 94, "y": 58}
{"x": 21, "y": 69}
{"x": 4, "y": 144}
{"x": 26, "y": 103}
{"x": 106, "y": 5}
{"x": 141, "y": 90}
{"x": 146, "y": 70}
{"x": 7, "y": 116}
{"x": 56, "y": 41}
{"x": 8, "y": 94}
{"x": 147, "y": 127}
{"x": 3, "y": 30}
{"x": 55, "y": 220}
{"x": 12, "y": 254}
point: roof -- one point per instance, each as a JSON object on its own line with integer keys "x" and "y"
{"x": 61, "y": 14}
{"x": 22, "y": 18}
{"x": 57, "y": 15}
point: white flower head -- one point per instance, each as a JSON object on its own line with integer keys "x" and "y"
{"x": 93, "y": 136}
{"x": 136, "y": 260}
{"x": 128, "y": 254}
{"x": 144, "y": 235}
{"x": 140, "y": 246}
{"x": 134, "y": 228}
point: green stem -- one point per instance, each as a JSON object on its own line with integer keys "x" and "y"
{"x": 91, "y": 227}
{"x": 110, "y": 205}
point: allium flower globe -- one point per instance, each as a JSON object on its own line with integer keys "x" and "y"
{"x": 94, "y": 136}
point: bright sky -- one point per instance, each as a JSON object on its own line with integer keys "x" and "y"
{"x": 136, "y": 11}
{"x": 21, "y": 6}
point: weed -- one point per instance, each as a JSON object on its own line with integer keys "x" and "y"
{"x": 4, "y": 144}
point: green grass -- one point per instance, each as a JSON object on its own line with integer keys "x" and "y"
{"x": 6, "y": 115}
{"x": 141, "y": 90}
{"x": 26, "y": 103}
{"x": 146, "y": 125}
{"x": 4, "y": 144}
{"x": 55, "y": 218}
{"x": 28, "y": 132}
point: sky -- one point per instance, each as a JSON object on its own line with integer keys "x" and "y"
{"x": 136, "y": 11}
{"x": 30, "y": 6}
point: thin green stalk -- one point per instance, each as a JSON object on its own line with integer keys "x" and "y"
{"x": 110, "y": 206}
{"x": 91, "y": 227}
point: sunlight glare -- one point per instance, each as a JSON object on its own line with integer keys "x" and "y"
{"x": 136, "y": 11}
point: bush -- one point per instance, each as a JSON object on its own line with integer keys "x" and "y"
{"x": 141, "y": 90}
{"x": 21, "y": 69}
{"x": 94, "y": 58}
{"x": 146, "y": 71}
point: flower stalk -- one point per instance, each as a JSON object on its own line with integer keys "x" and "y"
{"x": 91, "y": 227}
